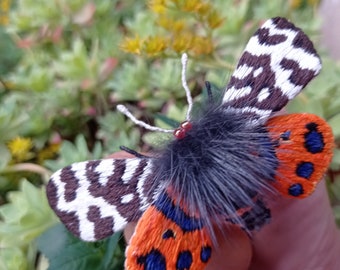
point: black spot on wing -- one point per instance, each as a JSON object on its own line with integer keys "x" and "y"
{"x": 266, "y": 38}
{"x": 314, "y": 141}
{"x": 299, "y": 75}
{"x": 70, "y": 219}
{"x": 184, "y": 260}
{"x": 154, "y": 260}
{"x": 257, "y": 216}
{"x": 103, "y": 226}
{"x": 265, "y": 80}
{"x": 168, "y": 234}
{"x": 302, "y": 41}
{"x": 282, "y": 23}
{"x": 67, "y": 176}
{"x": 311, "y": 126}
{"x": 116, "y": 188}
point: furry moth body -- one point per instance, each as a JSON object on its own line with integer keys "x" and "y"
{"x": 218, "y": 169}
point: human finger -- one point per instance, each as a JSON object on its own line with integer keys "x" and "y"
{"x": 301, "y": 235}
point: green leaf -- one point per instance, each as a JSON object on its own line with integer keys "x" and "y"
{"x": 70, "y": 253}
{"x": 25, "y": 216}
{"x": 12, "y": 120}
{"x": 305, "y": 104}
{"x": 5, "y": 156}
{"x": 115, "y": 131}
{"x": 167, "y": 120}
{"x": 333, "y": 106}
{"x": 114, "y": 255}
{"x": 336, "y": 211}
{"x": 167, "y": 78}
{"x": 334, "y": 122}
{"x": 75, "y": 64}
{"x": 156, "y": 139}
{"x": 329, "y": 78}
{"x": 335, "y": 188}
{"x": 10, "y": 54}
{"x": 13, "y": 258}
{"x": 335, "y": 165}
{"x": 142, "y": 23}
{"x": 81, "y": 146}
{"x": 131, "y": 81}
{"x": 70, "y": 153}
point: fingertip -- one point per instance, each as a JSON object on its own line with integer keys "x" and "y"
{"x": 234, "y": 250}
{"x": 129, "y": 231}
{"x": 120, "y": 154}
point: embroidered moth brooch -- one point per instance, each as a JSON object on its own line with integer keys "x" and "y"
{"x": 219, "y": 168}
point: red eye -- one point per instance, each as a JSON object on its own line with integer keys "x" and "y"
{"x": 179, "y": 133}
{"x": 186, "y": 125}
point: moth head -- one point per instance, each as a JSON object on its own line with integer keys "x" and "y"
{"x": 185, "y": 126}
{"x": 182, "y": 130}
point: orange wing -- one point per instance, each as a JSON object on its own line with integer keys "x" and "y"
{"x": 166, "y": 238}
{"x": 304, "y": 149}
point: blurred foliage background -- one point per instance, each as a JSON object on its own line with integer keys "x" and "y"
{"x": 65, "y": 65}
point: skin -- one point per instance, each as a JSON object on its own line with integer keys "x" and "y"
{"x": 301, "y": 235}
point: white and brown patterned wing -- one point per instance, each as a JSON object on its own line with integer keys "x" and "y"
{"x": 97, "y": 198}
{"x": 278, "y": 62}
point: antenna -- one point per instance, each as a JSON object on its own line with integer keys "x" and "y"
{"x": 127, "y": 113}
{"x": 184, "y": 60}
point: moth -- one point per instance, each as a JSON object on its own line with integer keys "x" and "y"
{"x": 218, "y": 169}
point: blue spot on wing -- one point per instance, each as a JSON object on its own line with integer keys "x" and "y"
{"x": 314, "y": 142}
{"x": 173, "y": 212}
{"x": 184, "y": 260}
{"x": 285, "y": 135}
{"x": 305, "y": 170}
{"x": 205, "y": 254}
{"x": 295, "y": 190}
{"x": 154, "y": 260}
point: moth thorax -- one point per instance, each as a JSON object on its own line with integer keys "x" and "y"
{"x": 181, "y": 132}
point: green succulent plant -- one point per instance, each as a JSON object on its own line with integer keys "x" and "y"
{"x": 65, "y": 65}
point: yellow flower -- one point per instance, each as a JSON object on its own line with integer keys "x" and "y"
{"x": 214, "y": 19}
{"x": 4, "y": 20}
{"x": 5, "y": 5}
{"x": 202, "y": 45}
{"x": 132, "y": 45}
{"x": 294, "y": 3}
{"x": 313, "y": 2}
{"x": 190, "y": 5}
{"x": 48, "y": 152}
{"x": 4, "y": 8}
{"x": 170, "y": 24}
{"x": 154, "y": 45}
{"x": 204, "y": 9}
{"x": 20, "y": 148}
{"x": 7, "y": 84}
{"x": 182, "y": 42}
{"x": 157, "y": 6}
